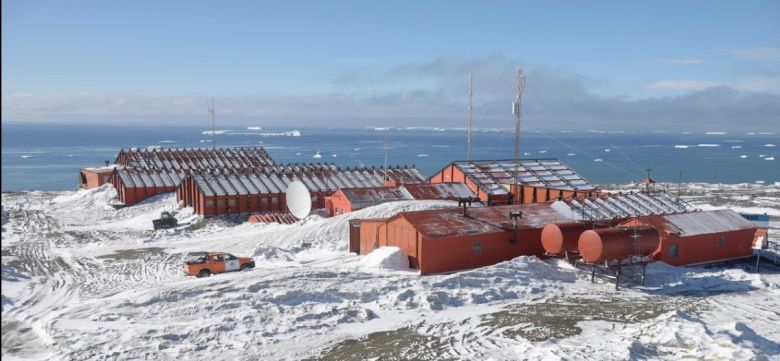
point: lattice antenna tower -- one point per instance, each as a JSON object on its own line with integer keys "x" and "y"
{"x": 468, "y": 142}
{"x": 212, "y": 120}
{"x": 516, "y": 111}
{"x": 384, "y": 176}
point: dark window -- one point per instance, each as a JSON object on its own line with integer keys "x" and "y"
{"x": 217, "y": 258}
{"x": 673, "y": 251}
{"x": 476, "y": 247}
{"x": 231, "y": 257}
{"x": 722, "y": 240}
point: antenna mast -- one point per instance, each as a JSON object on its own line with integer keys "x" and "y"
{"x": 516, "y": 111}
{"x": 212, "y": 119}
{"x": 468, "y": 147}
{"x": 679, "y": 186}
{"x": 384, "y": 176}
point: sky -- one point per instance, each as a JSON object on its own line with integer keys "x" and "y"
{"x": 661, "y": 65}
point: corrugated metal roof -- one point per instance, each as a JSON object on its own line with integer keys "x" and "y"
{"x": 452, "y": 191}
{"x": 696, "y": 223}
{"x": 614, "y": 206}
{"x": 480, "y": 220}
{"x": 244, "y": 158}
{"x": 493, "y": 176}
{"x": 366, "y": 197}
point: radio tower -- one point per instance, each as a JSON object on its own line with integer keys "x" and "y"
{"x": 516, "y": 111}
{"x": 212, "y": 120}
{"x": 468, "y": 145}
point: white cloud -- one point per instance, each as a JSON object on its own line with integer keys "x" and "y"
{"x": 683, "y": 84}
{"x": 554, "y": 98}
{"x": 756, "y": 53}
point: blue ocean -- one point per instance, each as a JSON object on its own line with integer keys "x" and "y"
{"x": 48, "y": 156}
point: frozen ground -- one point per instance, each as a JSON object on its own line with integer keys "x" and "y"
{"x": 82, "y": 280}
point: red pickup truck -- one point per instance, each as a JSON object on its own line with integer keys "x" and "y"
{"x": 216, "y": 262}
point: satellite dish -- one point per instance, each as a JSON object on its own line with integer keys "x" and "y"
{"x": 298, "y": 200}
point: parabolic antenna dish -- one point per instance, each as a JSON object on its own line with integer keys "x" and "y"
{"x": 298, "y": 200}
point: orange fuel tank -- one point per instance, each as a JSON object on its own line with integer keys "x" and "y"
{"x": 560, "y": 237}
{"x": 617, "y": 243}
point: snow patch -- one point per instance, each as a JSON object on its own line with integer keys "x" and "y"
{"x": 387, "y": 258}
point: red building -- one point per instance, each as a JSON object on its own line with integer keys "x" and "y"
{"x": 215, "y": 194}
{"x": 539, "y": 180}
{"x": 447, "y": 240}
{"x": 93, "y": 177}
{"x": 134, "y": 185}
{"x": 701, "y": 237}
{"x": 141, "y": 173}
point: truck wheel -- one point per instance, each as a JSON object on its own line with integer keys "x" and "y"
{"x": 245, "y": 267}
{"x": 204, "y": 273}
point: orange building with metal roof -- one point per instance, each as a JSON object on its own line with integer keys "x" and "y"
{"x": 446, "y": 240}
{"x": 216, "y": 194}
{"x": 701, "y": 237}
{"x": 538, "y": 180}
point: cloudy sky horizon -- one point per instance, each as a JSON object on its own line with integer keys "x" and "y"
{"x": 690, "y": 65}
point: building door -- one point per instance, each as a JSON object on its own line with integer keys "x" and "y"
{"x": 354, "y": 237}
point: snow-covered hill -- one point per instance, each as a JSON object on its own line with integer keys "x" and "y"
{"x": 83, "y": 280}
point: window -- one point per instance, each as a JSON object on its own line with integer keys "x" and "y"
{"x": 231, "y": 257}
{"x": 274, "y": 200}
{"x": 231, "y": 202}
{"x": 217, "y": 258}
{"x": 210, "y": 203}
{"x": 476, "y": 247}
{"x": 220, "y": 202}
{"x": 263, "y": 200}
{"x": 673, "y": 251}
{"x": 105, "y": 179}
{"x": 721, "y": 240}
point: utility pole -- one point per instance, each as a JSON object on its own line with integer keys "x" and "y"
{"x": 212, "y": 120}
{"x": 516, "y": 111}
{"x": 469, "y": 125}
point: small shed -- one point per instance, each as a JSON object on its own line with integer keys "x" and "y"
{"x": 93, "y": 177}
{"x": 701, "y": 237}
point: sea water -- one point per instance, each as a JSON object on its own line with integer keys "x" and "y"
{"x": 49, "y": 156}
